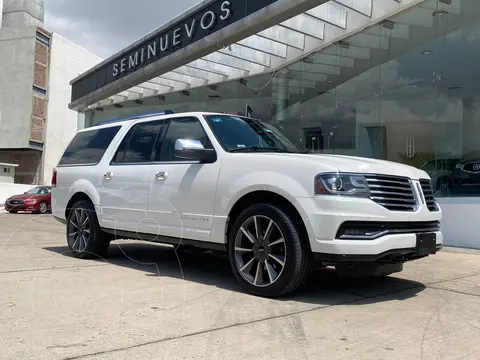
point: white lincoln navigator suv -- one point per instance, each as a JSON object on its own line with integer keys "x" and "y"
{"x": 229, "y": 183}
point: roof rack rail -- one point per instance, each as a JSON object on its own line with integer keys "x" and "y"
{"x": 139, "y": 116}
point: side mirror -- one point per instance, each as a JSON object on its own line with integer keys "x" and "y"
{"x": 193, "y": 150}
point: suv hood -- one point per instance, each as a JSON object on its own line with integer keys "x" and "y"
{"x": 374, "y": 166}
{"x": 361, "y": 165}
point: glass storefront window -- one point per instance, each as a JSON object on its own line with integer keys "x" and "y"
{"x": 404, "y": 90}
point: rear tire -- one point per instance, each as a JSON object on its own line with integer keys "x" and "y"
{"x": 267, "y": 254}
{"x": 84, "y": 236}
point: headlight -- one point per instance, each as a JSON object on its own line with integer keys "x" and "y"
{"x": 341, "y": 184}
{"x": 31, "y": 201}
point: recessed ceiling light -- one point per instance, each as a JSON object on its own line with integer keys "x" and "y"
{"x": 258, "y": 92}
{"x": 426, "y": 52}
{"x": 440, "y": 13}
{"x": 415, "y": 86}
{"x": 329, "y": 81}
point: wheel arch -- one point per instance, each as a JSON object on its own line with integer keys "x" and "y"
{"x": 78, "y": 196}
{"x": 270, "y": 197}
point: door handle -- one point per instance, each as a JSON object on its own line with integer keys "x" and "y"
{"x": 161, "y": 175}
{"x": 108, "y": 176}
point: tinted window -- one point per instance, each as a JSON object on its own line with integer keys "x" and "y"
{"x": 183, "y": 128}
{"x": 88, "y": 147}
{"x": 138, "y": 144}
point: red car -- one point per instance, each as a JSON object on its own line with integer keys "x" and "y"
{"x": 36, "y": 200}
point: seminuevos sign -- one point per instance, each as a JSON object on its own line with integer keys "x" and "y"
{"x": 198, "y": 25}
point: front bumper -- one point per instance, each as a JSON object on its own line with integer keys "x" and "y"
{"x": 327, "y": 215}
{"x": 22, "y": 207}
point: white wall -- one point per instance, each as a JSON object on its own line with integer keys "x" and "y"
{"x": 7, "y": 190}
{"x": 67, "y": 61}
{"x": 7, "y": 174}
{"x": 459, "y": 221}
{"x": 17, "y": 54}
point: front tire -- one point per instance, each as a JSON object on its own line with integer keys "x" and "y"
{"x": 267, "y": 254}
{"x": 84, "y": 236}
{"x": 43, "y": 208}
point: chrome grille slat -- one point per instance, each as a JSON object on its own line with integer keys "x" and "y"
{"x": 391, "y": 199}
{"x": 379, "y": 192}
{"x": 428, "y": 194}
{"x": 375, "y": 186}
{"x": 392, "y": 192}
{"x": 390, "y": 205}
{"x": 389, "y": 181}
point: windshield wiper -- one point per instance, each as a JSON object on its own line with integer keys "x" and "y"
{"x": 257, "y": 147}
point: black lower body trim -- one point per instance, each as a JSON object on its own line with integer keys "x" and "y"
{"x": 387, "y": 257}
{"x": 370, "y": 230}
{"x": 120, "y": 234}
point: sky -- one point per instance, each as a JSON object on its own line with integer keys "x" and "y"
{"x": 107, "y": 26}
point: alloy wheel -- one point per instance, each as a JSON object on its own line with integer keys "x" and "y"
{"x": 260, "y": 251}
{"x": 43, "y": 208}
{"x": 79, "y": 230}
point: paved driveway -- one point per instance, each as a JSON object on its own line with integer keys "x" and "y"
{"x": 145, "y": 303}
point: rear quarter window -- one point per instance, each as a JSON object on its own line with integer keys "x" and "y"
{"x": 88, "y": 147}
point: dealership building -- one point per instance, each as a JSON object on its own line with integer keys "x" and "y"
{"x": 388, "y": 79}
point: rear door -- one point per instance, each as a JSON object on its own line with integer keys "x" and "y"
{"x": 125, "y": 182}
{"x": 80, "y": 166}
{"x": 182, "y": 193}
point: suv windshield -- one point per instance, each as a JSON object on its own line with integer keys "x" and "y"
{"x": 236, "y": 133}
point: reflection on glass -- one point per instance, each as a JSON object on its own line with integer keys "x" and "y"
{"x": 404, "y": 90}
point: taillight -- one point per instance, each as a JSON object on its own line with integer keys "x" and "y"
{"x": 54, "y": 178}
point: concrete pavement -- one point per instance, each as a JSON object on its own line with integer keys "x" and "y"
{"x": 144, "y": 302}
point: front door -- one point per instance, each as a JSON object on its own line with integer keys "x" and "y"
{"x": 181, "y": 201}
{"x": 126, "y": 182}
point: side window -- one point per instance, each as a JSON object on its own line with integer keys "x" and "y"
{"x": 88, "y": 147}
{"x": 181, "y": 128}
{"x": 138, "y": 144}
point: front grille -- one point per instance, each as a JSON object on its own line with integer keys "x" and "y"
{"x": 392, "y": 192}
{"x": 368, "y": 230}
{"x": 16, "y": 202}
{"x": 428, "y": 193}
{"x": 471, "y": 167}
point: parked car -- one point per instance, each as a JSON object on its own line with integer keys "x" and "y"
{"x": 441, "y": 173}
{"x": 234, "y": 184}
{"x": 36, "y": 200}
{"x": 467, "y": 172}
